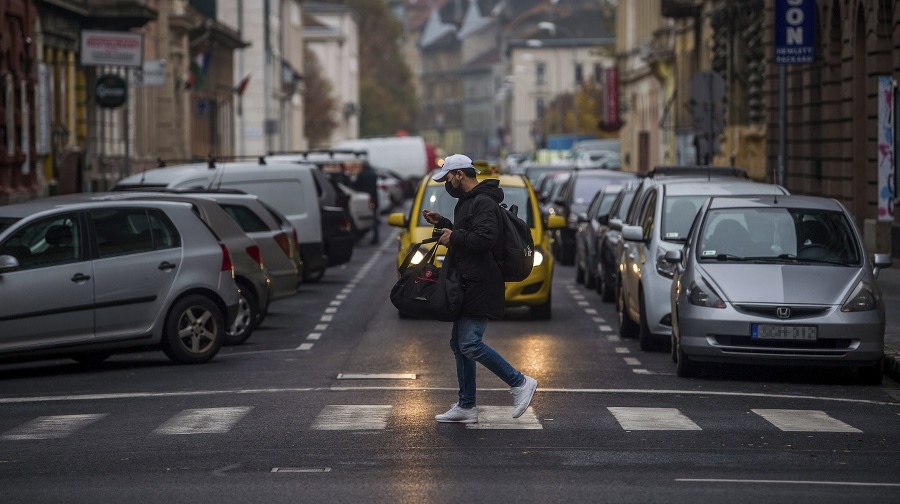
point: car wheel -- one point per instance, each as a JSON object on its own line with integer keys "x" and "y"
{"x": 313, "y": 276}
{"x": 627, "y": 327}
{"x": 589, "y": 279}
{"x": 542, "y": 311}
{"x": 684, "y": 366}
{"x": 246, "y": 320}
{"x": 873, "y": 374}
{"x": 91, "y": 358}
{"x": 646, "y": 338}
{"x": 194, "y": 330}
{"x": 605, "y": 288}
{"x": 579, "y": 274}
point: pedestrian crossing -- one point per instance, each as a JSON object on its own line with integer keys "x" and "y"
{"x": 375, "y": 417}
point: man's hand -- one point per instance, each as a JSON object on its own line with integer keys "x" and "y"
{"x": 445, "y": 237}
{"x": 432, "y": 217}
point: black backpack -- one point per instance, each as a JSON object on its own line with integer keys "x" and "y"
{"x": 517, "y": 256}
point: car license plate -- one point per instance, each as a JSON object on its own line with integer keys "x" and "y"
{"x": 782, "y": 332}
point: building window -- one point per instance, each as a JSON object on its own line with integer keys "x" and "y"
{"x": 539, "y": 108}
{"x": 579, "y": 73}
{"x": 540, "y": 71}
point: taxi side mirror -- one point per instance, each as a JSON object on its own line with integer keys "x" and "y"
{"x": 555, "y": 222}
{"x": 397, "y": 219}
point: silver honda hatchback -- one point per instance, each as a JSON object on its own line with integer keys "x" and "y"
{"x": 780, "y": 280}
{"x": 86, "y": 279}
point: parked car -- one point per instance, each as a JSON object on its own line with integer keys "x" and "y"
{"x": 595, "y": 159}
{"x": 534, "y": 291}
{"x": 665, "y": 214}
{"x": 296, "y": 190}
{"x": 606, "y": 270}
{"x": 85, "y": 279}
{"x": 586, "y": 234}
{"x": 270, "y": 230}
{"x": 571, "y": 199}
{"x": 777, "y": 280}
{"x": 250, "y": 275}
{"x": 534, "y": 172}
{"x": 391, "y": 191}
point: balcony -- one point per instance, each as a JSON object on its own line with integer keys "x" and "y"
{"x": 680, "y": 8}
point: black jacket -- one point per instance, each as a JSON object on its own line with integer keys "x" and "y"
{"x": 473, "y": 243}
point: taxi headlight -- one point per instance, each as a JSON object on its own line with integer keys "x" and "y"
{"x": 538, "y": 258}
{"x": 862, "y": 299}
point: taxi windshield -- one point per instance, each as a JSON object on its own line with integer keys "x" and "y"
{"x": 436, "y": 199}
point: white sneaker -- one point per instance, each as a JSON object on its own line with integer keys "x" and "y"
{"x": 458, "y": 415}
{"x": 522, "y": 395}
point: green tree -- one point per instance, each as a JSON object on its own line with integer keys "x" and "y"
{"x": 387, "y": 96}
{"x": 318, "y": 113}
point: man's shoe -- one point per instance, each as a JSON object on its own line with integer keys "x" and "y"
{"x": 522, "y": 395}
{"x": 458, "y": 415}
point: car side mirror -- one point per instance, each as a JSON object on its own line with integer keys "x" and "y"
{"x": 397, "y": 219}
{"x": 555, "y": 222}
{"x": 8, "y": 263}
{"x": 603, "y": 220}
{"x": 615, "y": 224}
{"x": 560, "y": 201}
{"x": 881, "y": 261}
{"x": 674, "y": 256}
{"x": 633, "y": 233}
{"x": 581, "y": 218}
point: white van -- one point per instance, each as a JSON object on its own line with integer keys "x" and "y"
{"x": 290, "y": 188}
{"x": 406, "y": 155}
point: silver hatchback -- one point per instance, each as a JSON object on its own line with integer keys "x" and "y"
{"x": 86, "y": 279}
{"x": 780, "y": 280}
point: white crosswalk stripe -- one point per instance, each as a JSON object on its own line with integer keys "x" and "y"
{"x": 203, "y": 421}
{"x": 500, "y": 417}
{"x": 652, "y": 419}
{"x": 790, "y": 420}
{"x": 51, "y": 427}
{"x": 353, "y": 417}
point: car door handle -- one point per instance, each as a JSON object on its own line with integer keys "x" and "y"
{"x": 166, "y": 266}
{"x": 80, "y": 277}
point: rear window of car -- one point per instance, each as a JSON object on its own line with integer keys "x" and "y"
{"x": 246, "y": 219}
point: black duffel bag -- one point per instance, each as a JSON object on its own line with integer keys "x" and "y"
{"x": 425, "y": 290}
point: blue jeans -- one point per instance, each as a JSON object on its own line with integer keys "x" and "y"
{"x": 465, "y": 341}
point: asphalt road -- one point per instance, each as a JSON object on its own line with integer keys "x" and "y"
{"x": 333, "y": 401}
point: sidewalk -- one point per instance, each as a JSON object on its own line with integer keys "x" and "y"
{"x": 889, "y": 281}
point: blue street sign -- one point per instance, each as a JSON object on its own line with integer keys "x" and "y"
{"x": 795, "y": 31}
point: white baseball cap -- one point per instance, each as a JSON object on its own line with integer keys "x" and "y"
{"x": 454, "y": 162}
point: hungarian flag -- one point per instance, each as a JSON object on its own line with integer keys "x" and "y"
{"x": 199, "y": 64}
{"x": 242, "y": 85}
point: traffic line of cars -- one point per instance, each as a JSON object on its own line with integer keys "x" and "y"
{"x": 183, "y": 258}
{"x": 720, "y": 269}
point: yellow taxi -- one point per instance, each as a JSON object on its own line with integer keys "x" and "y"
{"x": 534, "y": 291}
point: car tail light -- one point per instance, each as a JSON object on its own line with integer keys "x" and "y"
{"x": 226, "y": 259}
{"x": 345, "y": 225}
{"x": 284, "y": 242}
{"x": 296, "y": 240}
{"x": 253, "y": 251}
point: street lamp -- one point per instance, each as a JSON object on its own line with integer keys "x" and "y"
{"x": 552, "y": 27}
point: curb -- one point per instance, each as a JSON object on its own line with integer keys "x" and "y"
{"x": 892, "y": 363}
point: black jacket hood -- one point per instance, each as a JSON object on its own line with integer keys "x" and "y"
{"x": 489, "y": 187}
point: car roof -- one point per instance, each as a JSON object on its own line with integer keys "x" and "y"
{"x": 167, "y": 174}
{"x": 69, "y": 201}
{"x": 600, "y": 173}
{"x": 720, "y": 186}
{"x": 782, "y": 201}
{"x": 506, "y": 180}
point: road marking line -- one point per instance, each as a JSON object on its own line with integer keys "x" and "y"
{"x": 621, "y": 349}
{"x": 301, "y": 469}
{"x": 584, "y": 303}
{"x": 335, "y": 303}
{"x": 320, "y": 327}
{"x": 305, "y": 346}
{"x": 314, "y": 336}
{"x": 788, "y": 482}
{"x": 203, "y": 421}
{"x": 641, "y": 371}
{"x": 653, "y": 419}
{"x": 341, "y": 296}
{"x": 598, "y": 320}
{"x": 500, "y": 417}
{"x": 326, "y": 318}
{"x": 51, "y": 427}
{"x": 631, "y": 361}
{"x": 702, "y": 394}
{"x": 352, "y": 417}
{"x": 376, "y": 376}
{"x": 605, "y": 328}
{"x": 793, "y": 420}
{"x": 590, "y": 311}
{"x": 613, "y": 338}
{"x": 331, "y": 310}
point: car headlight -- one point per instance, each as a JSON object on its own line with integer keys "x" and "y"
{"x": 417, "y": 258}
{"x": 538, "y": 258}
{"x": 663, "y": 267}
{"x": 702, "y": 295}
{"x": 862, "y": 299}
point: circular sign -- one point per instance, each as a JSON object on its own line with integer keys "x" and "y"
{"x": 111, "y": 91}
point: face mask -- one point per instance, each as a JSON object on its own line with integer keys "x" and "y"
{"x": 455, "y": 192}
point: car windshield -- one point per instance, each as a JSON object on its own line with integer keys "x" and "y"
{"x": 5, "y": 222}
{"x": 678, "y": 215}
{"x": 437, "y": 199}
{"x": 778, "y": 234}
